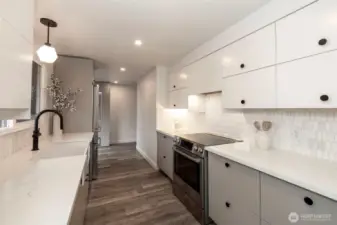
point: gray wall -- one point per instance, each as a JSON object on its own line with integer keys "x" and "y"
{"x": 77, "y": 73}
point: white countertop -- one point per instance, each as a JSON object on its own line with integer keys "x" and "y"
{"x": 166, "y": 132}
{"x": 316, "y": 175}
{"x": 39, "y": 188}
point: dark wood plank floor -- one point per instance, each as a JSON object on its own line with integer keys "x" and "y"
{"x": 129, "y": 191}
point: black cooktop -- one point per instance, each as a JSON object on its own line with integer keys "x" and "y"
{"x": 207, "y": 139}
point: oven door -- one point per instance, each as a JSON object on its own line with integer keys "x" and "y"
{"x": 188, "y": 168}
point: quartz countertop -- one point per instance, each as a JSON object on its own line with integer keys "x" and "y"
{"x": 316, "y": 175}
{"x": 39, "y": 188}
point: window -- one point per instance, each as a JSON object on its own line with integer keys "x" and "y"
{"x": 6, "y": 123}
{"x": 35, "y": 92}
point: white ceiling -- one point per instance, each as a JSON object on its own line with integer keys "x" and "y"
{"x": 105, "y": 30}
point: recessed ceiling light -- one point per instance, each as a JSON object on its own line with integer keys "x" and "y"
{"x": 122, "y": 69}
{"x": 116, "y": 81}
{"x": 138, "y": 42}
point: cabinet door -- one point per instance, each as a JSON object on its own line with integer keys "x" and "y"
{"x": 15, "y": 68}
{"x": 179, "y": 80}
{"x": 279, "y": 199}
{"x": 250, "y": 90}
{"x": 308, "y": 83}
{"x": 160, "y": 150}
{"x": 20, "y": 15}
{"x": 255, "y": 51}
{"x": 310, "y": 31}
{"x": 178, "y": 99}
{"x": 229, "y": 204}
{"x": 205, "y": 74}
{"x": 168, "y": 156}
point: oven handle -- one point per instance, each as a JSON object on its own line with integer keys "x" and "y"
{"x": 187, "y": 156}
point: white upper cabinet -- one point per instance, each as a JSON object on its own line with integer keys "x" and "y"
{"x": 205, "y": 74}
{"x": 250, "y": 90}
{"x": 252, "y": 52}
{"x": 178, "y": 99}
{"x": 16, "y": 57}
{"x": 179, "y": 79}
{"x": 309, "y": 31}
{"x": 308, "y": 83}
{"x": 20, "y": 14}
{"x": 15, "y": 69}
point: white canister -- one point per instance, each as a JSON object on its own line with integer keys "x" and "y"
{"x": 263, "y": 140}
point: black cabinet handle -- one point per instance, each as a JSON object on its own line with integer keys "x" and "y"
{"x": 164, "y": 157}
{"x": 174, "y": 105}
{"x": 228, "y": 204}
{"x": 174, "y": 86}
{"x": 323, "y": 41}
{"x": 243, "y": 101}
{"x": 308, "y": 201}
{"x": 227, "y": 165}
{"x": 242, "y": 66}
{"x": 164, "y": 136}
{"x": 324, "y": 98}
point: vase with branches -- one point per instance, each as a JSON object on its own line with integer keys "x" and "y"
{"x": 62, "y": 100}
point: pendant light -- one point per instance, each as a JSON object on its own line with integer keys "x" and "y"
{"x": 47, "y": 52}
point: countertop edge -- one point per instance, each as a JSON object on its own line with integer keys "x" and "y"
{"x": 313, "y": 185}
{"x": 171, "y": 134}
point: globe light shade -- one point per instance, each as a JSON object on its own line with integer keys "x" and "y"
{"x": 47, "y": 54}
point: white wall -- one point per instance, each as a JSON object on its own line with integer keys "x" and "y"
{"x": 123, "y": 113}
{"x": 104, "y": 134}
{"x": 77, "y": 73}
{"x": 146, "y": 118}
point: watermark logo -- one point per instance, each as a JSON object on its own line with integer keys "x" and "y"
{"x": 294, "y": 217}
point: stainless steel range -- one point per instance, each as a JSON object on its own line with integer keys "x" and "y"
{"x": 190, "y": 177}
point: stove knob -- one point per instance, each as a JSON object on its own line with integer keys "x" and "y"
{"x": 200, "y": 150}
{"x": 195, "y": 148}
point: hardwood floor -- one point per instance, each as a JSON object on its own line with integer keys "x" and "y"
{"x": 129, "y": 191}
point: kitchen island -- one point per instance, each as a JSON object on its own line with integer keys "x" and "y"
{"x": 41, "y": 187}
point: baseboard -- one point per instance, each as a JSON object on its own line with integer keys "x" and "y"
{"x": 147, "y": 158}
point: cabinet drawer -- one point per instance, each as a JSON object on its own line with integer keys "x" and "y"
{"x": 232, "y": 183}
{"x": 250, "y": 53}
{"x": 279, "y": 199}
{"x": 250, "y": 90}
{"x": 178, "y": 99}
{"x": 309, "y": 31}
{"x": 308, "y": 83}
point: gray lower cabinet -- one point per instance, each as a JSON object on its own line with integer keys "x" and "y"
{"x": 284, "y": 204}
{"x": 165, "y": 154}
{"x": 234, "y": 192}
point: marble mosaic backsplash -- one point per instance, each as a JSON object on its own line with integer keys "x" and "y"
{"x": 311, "y": 132}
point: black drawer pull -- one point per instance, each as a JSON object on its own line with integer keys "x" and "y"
{"x": 228, "y": 204}
{"x": 323, "y": 41}
{"x": 164, "y": 157}
{"x": 174, "y": 105}
{"x": 308, "y": 201}
{"x": 242, "y": 66}
{"x": 227, "y": 165}
{"x": 243, "y": 101}
{"x": 324, "y": 98}
{"x": 174, "y": 86}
